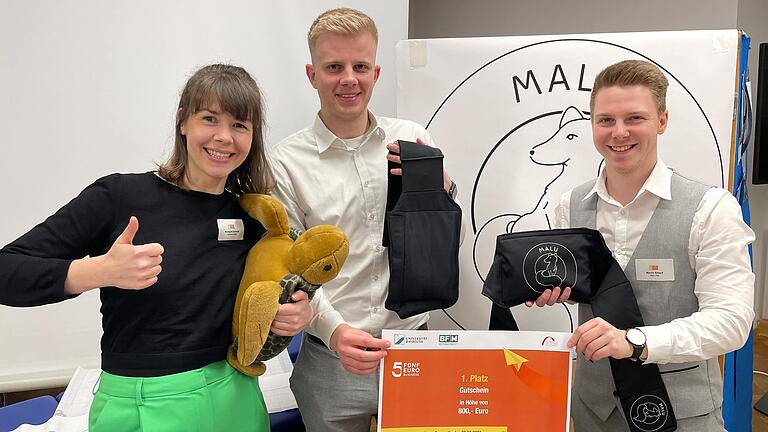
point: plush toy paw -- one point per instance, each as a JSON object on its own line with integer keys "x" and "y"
{"x": 260, "y": 304}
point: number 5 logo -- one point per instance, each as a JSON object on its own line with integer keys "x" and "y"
{"x": 397, "y": 369}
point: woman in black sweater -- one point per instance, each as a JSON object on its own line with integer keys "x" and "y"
{"x": 167, "y": 286}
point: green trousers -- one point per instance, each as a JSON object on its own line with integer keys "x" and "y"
{"x": 212, "y": 398}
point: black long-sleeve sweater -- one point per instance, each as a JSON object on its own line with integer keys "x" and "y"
{"x": 180, "y": 323}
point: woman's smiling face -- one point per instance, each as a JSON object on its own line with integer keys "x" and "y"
{"x": 217, "y": 143}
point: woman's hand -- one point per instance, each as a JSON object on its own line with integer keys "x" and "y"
{"x": 125, "y": 265}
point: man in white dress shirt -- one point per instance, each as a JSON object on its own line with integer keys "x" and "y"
{"x": 682, "y": 245}
{"x": 335, "y": 172}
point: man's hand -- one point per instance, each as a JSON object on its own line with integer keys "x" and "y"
{"x": 358, "y": 351}
{"x": 395, "y": 148}
{"x": 597, "y": 339}
{"x": 291, "y": 318}
{"x": 550, "y": 297}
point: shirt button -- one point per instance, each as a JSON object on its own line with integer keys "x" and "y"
{"x": 375, "y": 277}
{"x": 371, "y": 216}
{"x": 621, "y": 212}
{"x": 375, "y": 309}
{"x": 378, "y": 248}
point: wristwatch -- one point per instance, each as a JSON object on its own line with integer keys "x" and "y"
{"x": 453, "y": 190}
{"x": 636, "y": 339}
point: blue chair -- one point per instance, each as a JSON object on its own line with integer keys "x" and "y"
{"x": 295, "y": 346}
{"x": 31, "y": 411}
{"x": 286, "y": 421}
{"x": 289, "y": 421}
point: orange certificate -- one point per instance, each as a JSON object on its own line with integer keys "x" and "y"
{"x": 475, "y": 381}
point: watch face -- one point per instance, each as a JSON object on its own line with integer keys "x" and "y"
{"x": 635, "y": 337}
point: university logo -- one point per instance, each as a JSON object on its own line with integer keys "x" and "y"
{"x": 548, "y": 265}
{"x": 649, "y": 413}
{"x": 399, "y": 339}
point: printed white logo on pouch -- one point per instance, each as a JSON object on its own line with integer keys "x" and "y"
{"x": 548, "y": 265}
{"x": 649, "y": 413}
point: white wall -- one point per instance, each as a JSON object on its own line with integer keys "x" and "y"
{"x": 90, "y": 87}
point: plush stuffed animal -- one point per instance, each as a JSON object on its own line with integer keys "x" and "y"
{"x": 282, "y": 261}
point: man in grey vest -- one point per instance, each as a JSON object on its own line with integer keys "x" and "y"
{"x": 682, "y": 245}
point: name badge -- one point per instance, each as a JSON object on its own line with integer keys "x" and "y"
{"x": 230, "y": 229}
{"x": 660, "y": 270}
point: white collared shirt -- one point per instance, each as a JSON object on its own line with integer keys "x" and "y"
{"x": 321, "y": 179}
{"x": 717, "y": 249}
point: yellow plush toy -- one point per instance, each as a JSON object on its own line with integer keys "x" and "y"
{"x": 281, "y": 262}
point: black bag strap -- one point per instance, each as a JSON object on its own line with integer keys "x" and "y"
{"x": 640, "y": 388}
{"x": 422, "y": 167}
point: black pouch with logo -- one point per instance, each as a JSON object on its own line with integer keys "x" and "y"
{"x": 527, "y": 263}
{"x": 421, "y": 232}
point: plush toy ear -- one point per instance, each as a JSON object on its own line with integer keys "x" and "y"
{"x": 319, "y": 254}
{"x": 267, "y": 210}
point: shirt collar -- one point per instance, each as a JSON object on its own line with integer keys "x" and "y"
{"x": 326, "y": 139}
{"x": 658, "y": 183}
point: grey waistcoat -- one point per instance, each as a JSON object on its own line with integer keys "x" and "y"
{"x": 694, "y": 388}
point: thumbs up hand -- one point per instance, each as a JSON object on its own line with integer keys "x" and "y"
{"x": 130, "y": 266}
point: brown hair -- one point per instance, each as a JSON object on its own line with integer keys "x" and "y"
{"x": 237, "y": 94}
{"x": 344, "y": 21}
{"x": 632, "y": 73}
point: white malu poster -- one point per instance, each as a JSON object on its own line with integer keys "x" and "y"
{"x": 511, "y": 115}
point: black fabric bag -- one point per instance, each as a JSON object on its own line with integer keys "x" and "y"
{"x": 527, "y": 263}
{"x": 421, "y": 232}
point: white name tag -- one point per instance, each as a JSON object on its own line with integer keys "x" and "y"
{"x": 662, "y": 270}
{"x": 230, "y": 229}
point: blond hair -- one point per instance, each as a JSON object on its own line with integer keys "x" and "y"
{"x": 343, "y": 21}
{"x": 632, "y": 73}
{"x": 237, "y": 94}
